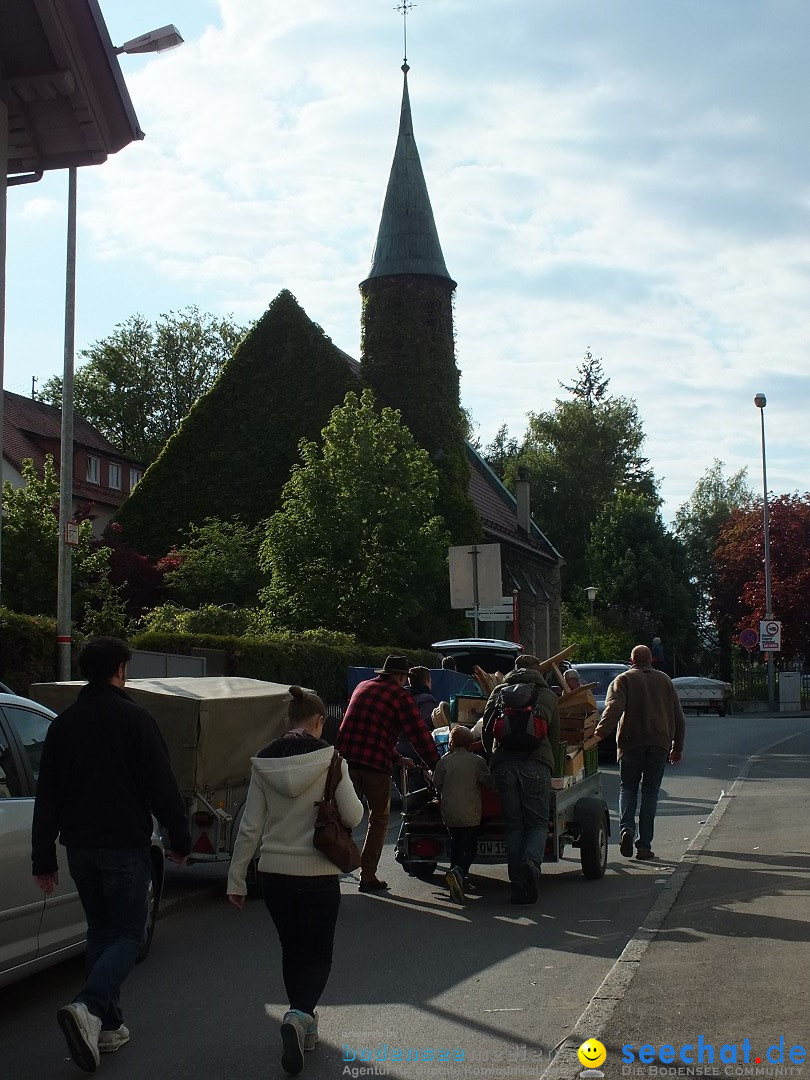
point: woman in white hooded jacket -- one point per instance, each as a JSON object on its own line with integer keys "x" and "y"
{"x": 300, "y": 886}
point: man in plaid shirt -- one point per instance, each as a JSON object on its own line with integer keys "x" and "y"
{"x": 380, "y": 709}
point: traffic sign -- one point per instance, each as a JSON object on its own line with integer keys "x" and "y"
{"x": 770, "y": 635}
{"x": 749, "y": 638}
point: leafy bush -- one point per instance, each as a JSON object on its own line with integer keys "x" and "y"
{"x": 288, "y": 659}
{"x": 27, "y": 650}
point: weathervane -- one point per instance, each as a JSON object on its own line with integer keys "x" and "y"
{"x": 405, "y": 6}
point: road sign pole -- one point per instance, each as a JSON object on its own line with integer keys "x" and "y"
{"x": 474, "y": 554}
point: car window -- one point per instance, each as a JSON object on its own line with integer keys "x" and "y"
{"x": 603, "y": 677}
{"x": 10, "y": 783}
{"x": 32, "y": 728}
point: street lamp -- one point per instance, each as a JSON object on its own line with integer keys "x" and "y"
{"x": 761, "y": 401}
{"x": 167, "y": 37}
{"x": 590, "y": 592}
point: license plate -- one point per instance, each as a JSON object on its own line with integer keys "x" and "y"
{"x": 489, "y": 848}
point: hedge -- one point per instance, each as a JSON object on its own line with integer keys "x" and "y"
{"x": 27, "y": 650}
{"x": 323, "y": 668}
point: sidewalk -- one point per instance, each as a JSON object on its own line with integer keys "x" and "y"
{"x": 731, "y": 958}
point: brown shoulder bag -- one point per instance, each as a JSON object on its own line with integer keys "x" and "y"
{"x": 331, "y": 837}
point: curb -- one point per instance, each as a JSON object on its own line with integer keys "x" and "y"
{"x": 565, "y": 1065}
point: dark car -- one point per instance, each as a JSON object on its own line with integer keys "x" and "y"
{"x": 601, "y": 674}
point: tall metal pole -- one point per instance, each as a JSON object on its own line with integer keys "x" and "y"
{"x": 761, "y": 401}
{"x": 474, "y": 554}
{"x": 63, "y": 588}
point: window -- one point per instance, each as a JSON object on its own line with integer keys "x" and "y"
{"x": 32, "y": 727}
{"x": 10, "y": 786}
{"x": 93, "y": 469}
{"x": 115, "y": 476}
{"x": 134, "y": 477}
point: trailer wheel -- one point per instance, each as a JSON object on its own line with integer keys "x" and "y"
{"x": 593, "y": 850}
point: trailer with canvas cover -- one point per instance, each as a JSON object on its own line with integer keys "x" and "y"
{"x": 212, "y": 727}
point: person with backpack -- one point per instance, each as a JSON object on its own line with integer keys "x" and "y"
{"x": 521, "y": 730}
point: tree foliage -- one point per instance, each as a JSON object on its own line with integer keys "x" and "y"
{"x": 580, "y": 456}
{"x": 31, "y": 553}
{"x": 357, "y": 545}
{"x": 138, "y": 384}
{"x": 218, "y": 565}
{"x": 739, "y": 597}
{"x": 501, "y": 452}
{"x": 642, "y": 573}
{"x": 698, "y": 524}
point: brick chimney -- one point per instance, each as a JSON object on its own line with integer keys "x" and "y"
{"x": 522, "y": 491}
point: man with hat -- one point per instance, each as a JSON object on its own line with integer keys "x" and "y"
{"x": 379, "y": 711}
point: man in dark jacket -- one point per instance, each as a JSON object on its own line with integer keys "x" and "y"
{"x": 523, "y": 781}
{"x": 105, "y": 769}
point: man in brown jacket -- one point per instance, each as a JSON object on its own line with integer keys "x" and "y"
{"x": 643, "y": 706}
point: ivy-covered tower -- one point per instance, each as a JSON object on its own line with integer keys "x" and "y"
{"x": 408, "y": 347}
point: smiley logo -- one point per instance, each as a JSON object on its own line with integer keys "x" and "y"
{"x": 592, "y": 1054}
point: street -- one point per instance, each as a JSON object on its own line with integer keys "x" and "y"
{"x": 412, "y": 970}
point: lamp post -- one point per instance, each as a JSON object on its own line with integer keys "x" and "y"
{"x": 590, "y": 592}
{"x": 155, "y": 41}
{"x": 761, "y": 401}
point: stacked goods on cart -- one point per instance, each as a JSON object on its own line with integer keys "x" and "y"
{"x": 578, "y": 720}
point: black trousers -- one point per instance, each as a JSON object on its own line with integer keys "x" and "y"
{"x": 463, "y": 846}
{"x": 305, "y": 911}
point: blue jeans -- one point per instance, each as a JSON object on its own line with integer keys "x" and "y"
{"x": 524, "y": 788}
{"x": 644, "y": 765}
{"x": 113, "y": 886}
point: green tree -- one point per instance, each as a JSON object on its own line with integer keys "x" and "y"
{"x": 641, "y": 571}
{"x": 218, "y": 565}
{"x": 580, "y": 456}
{"x": 502, "y": 452}
{"x": 30, "y": 552}
{"x": 357, "y": 545}
{"x": 138, "y": 384}
{"x": 699, "y": 523}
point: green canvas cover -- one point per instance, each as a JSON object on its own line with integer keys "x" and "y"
{"x": 212, "y": 726}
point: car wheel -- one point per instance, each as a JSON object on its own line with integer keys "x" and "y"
{"x": 721, "y": 711}
{"x": 593, "y": 851}
{"x": 153, "y": 902}
{"x": 422, "y": 870}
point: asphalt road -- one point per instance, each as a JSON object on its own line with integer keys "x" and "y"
{"x": 412, "y": 970}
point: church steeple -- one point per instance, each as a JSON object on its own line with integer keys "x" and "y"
{"x": 407, "y": 241}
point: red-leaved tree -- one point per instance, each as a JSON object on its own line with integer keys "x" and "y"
{"x": 739, "y": 599}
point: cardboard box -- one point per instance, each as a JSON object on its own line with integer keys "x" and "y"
{"x": 559, "y": 783}
{"x": 470, "y": 710}
{"x": 574, "y": 762}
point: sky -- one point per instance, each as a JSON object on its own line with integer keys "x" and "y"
{"x": 626, "y": 176}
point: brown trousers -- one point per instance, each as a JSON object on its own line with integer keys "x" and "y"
{"x": 375, "y": 788}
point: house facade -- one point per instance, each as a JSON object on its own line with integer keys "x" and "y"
{"x": 102, "y": 476}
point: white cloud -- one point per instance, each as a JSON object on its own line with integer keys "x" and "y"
{"x": 615, "y": 175}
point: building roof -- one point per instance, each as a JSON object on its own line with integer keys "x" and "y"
{"x": 28, "y": 424}
{"x": 497, "y": 508}
{"x": 59, "y": 75}
{"x": 407, "y": 241}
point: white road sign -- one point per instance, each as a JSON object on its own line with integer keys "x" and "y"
{"x": 770, "y": 635}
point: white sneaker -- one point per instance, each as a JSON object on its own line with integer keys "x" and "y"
{"x": 311, "y": 1033}
{"x": 110, "y": 1041}
{"x": 81, "y": 1029}
{"x": 293, "y": 1032}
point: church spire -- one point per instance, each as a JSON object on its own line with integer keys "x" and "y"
{"x": 407, "y": 241}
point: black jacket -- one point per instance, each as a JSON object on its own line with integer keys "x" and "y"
{"x": 105, "y": 770}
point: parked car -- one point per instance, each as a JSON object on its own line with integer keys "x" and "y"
{"x": 601, "y": 674}
{"x": 703, "y": 695}
{"x": 491, "y": 654}
{"x": 35, "y": 931}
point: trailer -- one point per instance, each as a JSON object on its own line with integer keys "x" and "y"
{"x": 212, "y": 727}
{"x": 578, "y": 818}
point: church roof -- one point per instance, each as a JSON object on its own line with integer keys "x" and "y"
{"x": 407, "y": 241}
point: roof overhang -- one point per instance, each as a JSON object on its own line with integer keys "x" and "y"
{"x": 67, "y": 101}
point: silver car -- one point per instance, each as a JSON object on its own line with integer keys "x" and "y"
{"x": 36, "y": 931}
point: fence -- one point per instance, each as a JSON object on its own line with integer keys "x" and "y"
{"x": 750, "y": 680}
